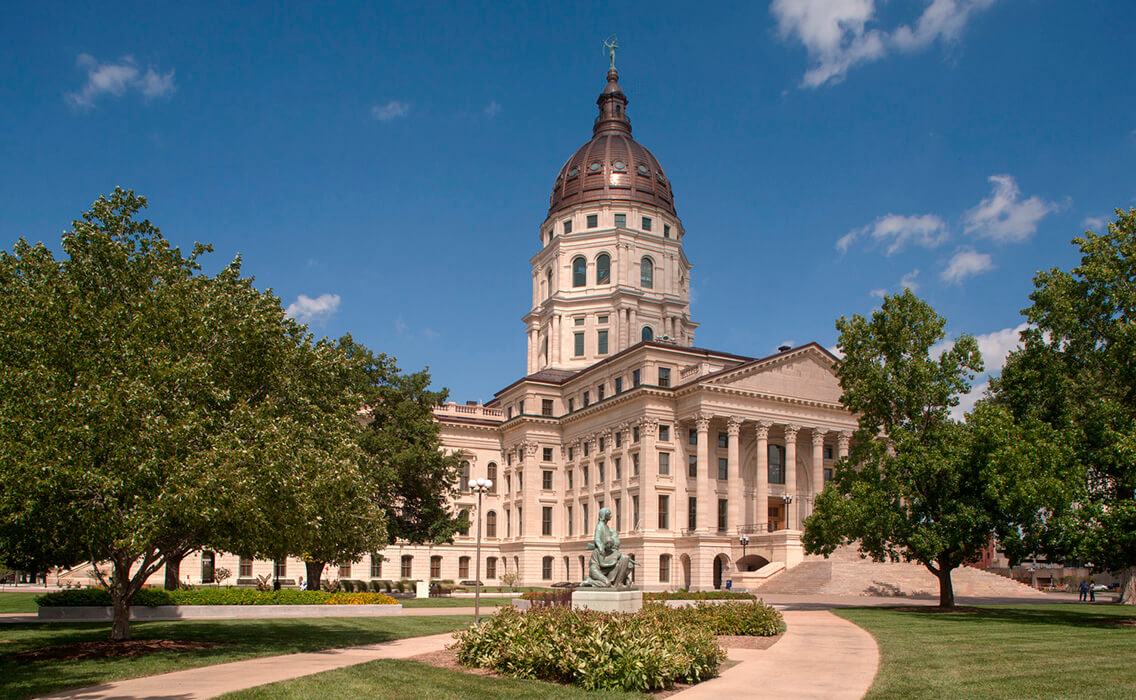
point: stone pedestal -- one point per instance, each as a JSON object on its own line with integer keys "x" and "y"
{"x": 422, "y": 589}
{"x": 607, "y": 600}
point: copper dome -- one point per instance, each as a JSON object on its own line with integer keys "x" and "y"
{"x": 612, "y": 167}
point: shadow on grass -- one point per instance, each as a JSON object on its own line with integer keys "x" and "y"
{"x": 1071, "y": 615}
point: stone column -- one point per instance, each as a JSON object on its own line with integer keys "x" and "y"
{"x": 734, "y": 485}
{"x": 632, "y": 327}
{"x": 530, "y": 496}
{"x": 702, "y": 424}
{"x": 791, "y": 476}
{"x": 532, "y": 350}
{"x": 818, "y": 463}
{"x": 762, "y": 434}
{"x": 648, "y": 474}
{"x": 554, "y": 341}
{"x": 616, "y": 327}
{"x": 842, "y": 441}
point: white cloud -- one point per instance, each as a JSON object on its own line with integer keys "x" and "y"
{"x": 995, "y": 346}
{"x": 838, "y": 34}
{"x": 308, "y": 310}
{"x": 492, "y": 109}
{"x": 966, "y": 262}
{"x": 400, "y": 326}
{"x": 1003, "y": 216}
{"x": 391, "y": 110}
{"x": 895, "y": 231}
{"x": 908, "y": 281}
{"x": 117, "y": 79}
{"x": 878, "y": 293}
{"x": 967, "y": 401}
{"x": 1097, "y": 224}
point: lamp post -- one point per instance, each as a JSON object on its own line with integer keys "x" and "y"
{"x": 480, "y": 487}
{"x": 788, "y": 498}
{"x": 744, "y": 542}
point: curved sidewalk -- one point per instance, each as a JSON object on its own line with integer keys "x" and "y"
{"x": 821, "y": 656}
{"x": 211, "y": 681}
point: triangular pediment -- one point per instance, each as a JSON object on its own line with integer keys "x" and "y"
{"x": 804, "y": 374}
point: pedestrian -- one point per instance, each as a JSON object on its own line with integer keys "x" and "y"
{"x": 1092, "y": 591}
{"x": 1084, "y": 591}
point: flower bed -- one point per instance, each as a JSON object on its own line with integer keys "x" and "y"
{"x": 699, "y": 595}
{"x": 151, "y": 597}
{"x": 649, "y": 650}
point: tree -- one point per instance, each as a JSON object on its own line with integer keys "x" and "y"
{"x": 147, "y": 409}
{"x": 1076, "y": 373}
{"x": 912, "y": 487}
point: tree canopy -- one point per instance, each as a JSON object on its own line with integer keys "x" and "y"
{"x": 1076, "y": 374}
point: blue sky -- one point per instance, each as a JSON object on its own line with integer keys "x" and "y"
{"x": 391, "y": 163}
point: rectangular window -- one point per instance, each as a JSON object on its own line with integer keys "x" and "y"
{"x": 692, "y": 437}
{"x": 665, "y": 568}
{"x": 635, "y": 434}
{"x": 571, "y": 453}
{"x": 571, "y": 529}
{"x": 692, "y": 466}
{"x": 568, "y": 226}
{"x": 621, "y": 220}
{"x": 546, "y": 454}
{"x": 508, "y": 412}
{"x": 635, "y": 464}
{"x": 636, "y": 378}
{"x": 601, "y": 342}
{"x": 619, "y": 385}
{"x": 828, "y": 451}
{"x": 618, "y": 516}
{"x": 570, "y": 473}
{"x": 491, "y": 567}
{"x": 405, "y": 566}
{"x": 579, "y": 321}
{"x": 584, "y": 474}
{"x": 601, "y": 319}
{"x": 244, "y": 568}
{"x": 280, "y": 569}
{"x": 827, "y": 474}
{"x": 723, "y": 469}
{"x": 587, "y": 402}
{"x": 635, "y": 512}
{"x": 723, "y": 509}
{"x": 546, "y": 480}
{"x": 508, "y": 523}
{"x": 593, "y": 220}
{"x": 585, "y": 523}
{"x": 376, "y": 566}
{"x": 571, "y": 405}
{"x": 520, "y": 523}
{"x": 578, "y": 344}
{"x": 776, "y": 464}
{"x": 646, "y": 223}
{"x": 546, "y": 407}
{"x": 587, "y": 447}
{"x": 463, "y": 567}
{"x": 664, "y": 512}
{"x": 665, "y": 463}
{"x": 546, "y": 568}
{"x": 666, "y": 230}
{"x": 600, "y": 471}
{"x": 601, "y": 391}
{"x": 618, "y": 469}
{"x": 664, "y": 433}
{"x": 723, "y": 440}
{"x": 546, "y": 521}
{"x": 619, "y": 438}
{"x": 664, "y": 376}
{"x": 691, "y": 513}
{"x": 603, "y": 443}
{"x": 435, "y": 567}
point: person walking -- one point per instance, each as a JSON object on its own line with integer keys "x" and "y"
{"x": 1084, "y": 591}
{"x": 1092, "y": 591}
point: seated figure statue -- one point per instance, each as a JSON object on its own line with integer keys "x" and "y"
{"x": 609, "y": 567}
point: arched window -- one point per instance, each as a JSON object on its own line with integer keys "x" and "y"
{"x": 603, "y": 269}
{"x": 463, "y": 484}
{"x": 548, "y": 277}
{"x": 664, "y": 568}
{"x": 776, "y": 464}
{"x": 491, "y": 524}
{"x": 648, "y": 333}
{"x": 544, "y": 348}
{"x": 579, "y": 272}
{"x": 491, "y": 474}
{"x": 463, "y": 515}
{"x": 647, "y": 273}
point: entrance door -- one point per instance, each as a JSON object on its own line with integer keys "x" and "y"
{"x": 775, "y": 522}
{"x": 719, "y": 565}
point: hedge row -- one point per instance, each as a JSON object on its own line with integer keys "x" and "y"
{"x": 645, "y": 651}
{"x": 699, "y": 595}
{"x": 151, "y": 597}
{"x": 751, "y": 619}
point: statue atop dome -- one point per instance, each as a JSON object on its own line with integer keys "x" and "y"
{"x": 610, "y": 45}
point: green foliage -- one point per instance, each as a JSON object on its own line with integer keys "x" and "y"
{"x": 699, "y": 595}
{"x": 1075, "y": 374}
{"x": 212, "y": 596}
{"x": 916, "y": 485}
{"x": 750, "y": 619}
{"x": 597, "y": 651}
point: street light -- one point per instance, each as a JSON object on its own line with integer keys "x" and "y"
{"x": 788, "y": 498}
{"x": 744, "y": 542}
{"x": 479, "y": 486}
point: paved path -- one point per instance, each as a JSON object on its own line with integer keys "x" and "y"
{"x": 821, "y": 656}
{"x": 211, "y": 681}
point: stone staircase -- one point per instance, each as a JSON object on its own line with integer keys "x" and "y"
{"x": 845, "y": 573}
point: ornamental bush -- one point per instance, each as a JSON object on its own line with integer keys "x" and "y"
{"x": 645, "y": 651}
{"x": 752, "y": 619}
{"x": 213, "y": 596}
{"x": 699, "y": 595}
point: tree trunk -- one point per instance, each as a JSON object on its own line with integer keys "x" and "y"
{"x": 119, "y": 593}
{"x": 315, "y": 572}
{"x": 1128, "y": 586}
{"x": 276, "y": 574}
{"x": 946, "y": 588}
{"x": 173, "y": 573}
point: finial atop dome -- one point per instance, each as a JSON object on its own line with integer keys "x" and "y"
{"x": 610, "y": 45}
{"x": 612, "y": 101}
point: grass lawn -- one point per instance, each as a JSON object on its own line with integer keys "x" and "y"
{"x": 394, "y": 679}
{"x": 12, "y": 602}
{"x": 452, "y": 602}
{"x": 243, "y": 639}
{"x": 1034, "y": 651}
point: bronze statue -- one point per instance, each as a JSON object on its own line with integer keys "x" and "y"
{"x": 609, "y": 567}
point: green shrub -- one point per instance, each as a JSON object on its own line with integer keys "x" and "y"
{"x": 214, "y": 596}
{"x": 753, "y": 619}
{"x": 610, "y": 651}
{"x": 347, "y": 585}
{"x": 386, "y": 586}
{"x": 375, "y": 586}
{"x": 699, "y": 595}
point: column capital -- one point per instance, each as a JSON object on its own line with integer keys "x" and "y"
{"x": 791, "y": 430}
{"x": 530, "y": 447}
{"x": 649, "y": 423}
{"x": 843, "y": 438}
{"x": 818, "y": 436}
{"x": 702, "y": 422}
{"x": 761, "y": 430}
{"x": 734, "y": 426}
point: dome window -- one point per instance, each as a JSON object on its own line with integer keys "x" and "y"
{"x": 573, "y": 172}
{"x": 620, "y": 166}
{"x": 603, "y": 269}
{"x": 621, "y": 220}
{"x": 593, "y": 220}
{"x": 647, "y": 274}
{"x": 579, "y": 272}
{"x": 648, "y": 333}
{"x": 594, "y": 167}
{"x": 644, "y": 170}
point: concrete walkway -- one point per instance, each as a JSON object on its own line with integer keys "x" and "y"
{"x": 821, "y": 656}
{"x": 211, "y": 681}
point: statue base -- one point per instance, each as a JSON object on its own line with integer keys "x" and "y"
{"x": 607, "y": 600}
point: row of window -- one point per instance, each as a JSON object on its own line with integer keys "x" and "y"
{"x": 663, "y": 378}
{"x": 603, "y": 271}
{"x": 620, "y": 220}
